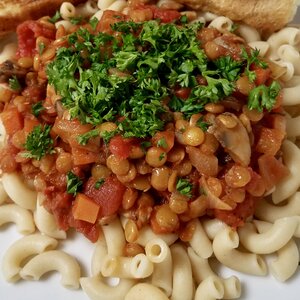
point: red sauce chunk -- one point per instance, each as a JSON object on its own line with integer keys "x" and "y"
{"x": 108, "y": 196}
{"x": 27, "y": 33}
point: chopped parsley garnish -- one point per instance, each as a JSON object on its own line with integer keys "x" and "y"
{"x": 263, "y": 97}
{"x": 99, "y": 183}
{"x": 14, "y": 83}
{"x": 145, "y": 145}
{"x": 162, "y": 156}
{"x": 184, "y": 19}
{"x": 94, "y": 22}
{"x": 76, "y": 20}
{"x": 55, "y": 18}
{"x": 234, "y": 27}
{"x": 202, "y": 124}
{"x": 162, "y": 143}
{"x": 128, "y": 82}
{"x": 74, "y": 183}
{"x": 84, "y": 138}
{"x": 253, "y": 58}
{"x": 38, "y": 143}
{"x": 41, "y": 48}
{"x": 107, "y": 135}
{"x": 37, "y": 108}
{"x": 184, "y": 187}
{"x": 229, "y": 68}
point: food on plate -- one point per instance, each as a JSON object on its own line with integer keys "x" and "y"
{"x": 159, "y": 133}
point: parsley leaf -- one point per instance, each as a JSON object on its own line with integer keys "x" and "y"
{"x": 145, "y": 145}
{"x": 76, "y": 20}
{"x": 202, "y": 124}
{"x": 55, "y": 18}
{"x": 83, "y": 139}
{"x": 228, "y": 67}
{"x": 184, "y": 19}
{"x": 263, "y": 96}
{"x": 99, "y": 183}
{"x": 39, "y": 142}
{"x": 184, "y": 187}
{"x": 37, "y": 108}
{"x": 74, "y": 183}
{"x": 162, "y": 156}
{"x": 14, "y": 83}
{"x": 94, "y": 22}
{"x": 41, "y": 48}
{"x": 107, "y": 135}
{"x": 252, "y": 58}
{"x": 162, "y": 143}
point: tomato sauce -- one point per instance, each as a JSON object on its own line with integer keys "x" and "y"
{"x": 27, "y": 33}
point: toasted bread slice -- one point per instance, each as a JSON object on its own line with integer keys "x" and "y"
{"x": 265, "y": 15}
{"x": 13, "y": 12}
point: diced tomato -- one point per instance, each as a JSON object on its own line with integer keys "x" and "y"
{"x": 164, "y": 139}
{"x": 262, "y": 75}
{"x": 30, "y": 122}
{"x": 165, "y": 15}
{"x": 66, "y": 128}
{"x": 269, "y": 140}
{"x": 120, "y": 146}
{"x": 109, "y": 18}
{"x": 91, "y": 231}
{"x": 277, "y": 121}
{"x": 12, "y": 120}
{"x": 236, "y": 217}
{"x": 59, "y": 204}
{"x": 27, "y": 33}
{"x": 256, "y": 186}
{"x": 271, "y": 170}
{"x": 183, "y": 93}
{"x": 34, "y": 93}
{"x": 83, "y": 156}
{"x": 109, "y": 195}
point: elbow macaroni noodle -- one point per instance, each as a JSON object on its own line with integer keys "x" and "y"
{"x": 168, "y": 269}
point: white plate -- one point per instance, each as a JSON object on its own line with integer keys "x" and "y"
{"x": 49, "y": 288}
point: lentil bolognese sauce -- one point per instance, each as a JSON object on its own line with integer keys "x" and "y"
{"x": 144, "y": 115}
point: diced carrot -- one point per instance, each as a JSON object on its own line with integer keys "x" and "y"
{"x": 269, "y": 141}
{"x": 85, "y": 209}
{"x": 271, "y": 170}
{"x": 120, "y": 146}
{"x": 12, "y": 120}
{"x": 83, "y": 156}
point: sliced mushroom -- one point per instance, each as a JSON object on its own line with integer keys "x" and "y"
{"x": 233, "y": 137}
{"x": 9, "y": 69}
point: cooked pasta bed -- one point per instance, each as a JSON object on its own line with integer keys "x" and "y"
{"x": 149, "y": 151}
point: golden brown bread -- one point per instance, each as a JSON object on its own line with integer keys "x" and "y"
{"x": 13, "y": 12}
{"x": 266, "y": 15}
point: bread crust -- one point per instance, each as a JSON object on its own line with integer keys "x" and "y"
{"x": 13, "y": 12}
{"x": 265, "y": 15}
